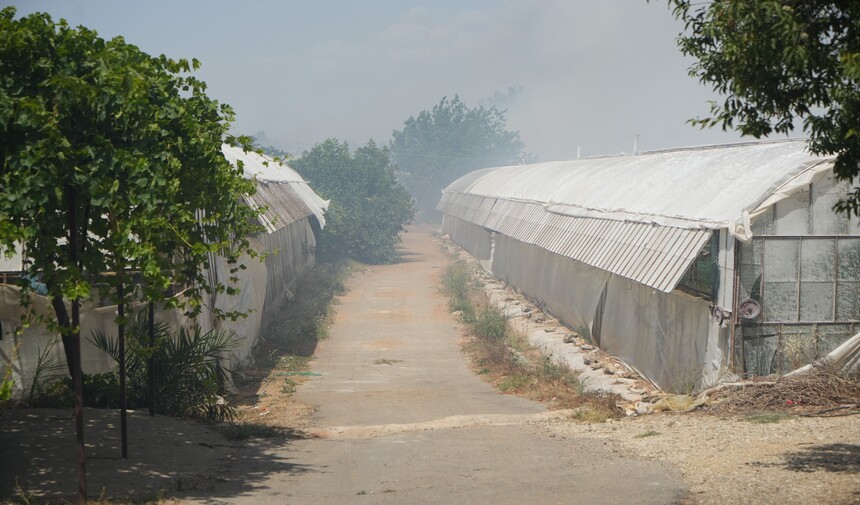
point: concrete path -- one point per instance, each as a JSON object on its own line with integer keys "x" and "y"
{"x": 402, "y": 420}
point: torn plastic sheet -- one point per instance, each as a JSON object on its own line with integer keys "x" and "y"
{"x": 844, "y": 359}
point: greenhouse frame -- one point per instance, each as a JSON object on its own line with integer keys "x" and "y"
{"x": 691, "y": 265}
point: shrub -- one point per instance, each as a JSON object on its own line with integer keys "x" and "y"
{"x": 369, "y": 208}
{"x": 458, "y": 285}
{"x": 189, "y": 376}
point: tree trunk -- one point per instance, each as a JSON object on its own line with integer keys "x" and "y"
{"x": 123, "y": 398}
{"x": 67, "y": 334}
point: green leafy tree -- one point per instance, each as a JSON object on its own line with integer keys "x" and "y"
{"x": 438, "y": 146}
{"x": 110, "y": 159}
{"x": 115, "y": 152}
{"x": 369, "y": 207}
{"x": 778, "y": 60}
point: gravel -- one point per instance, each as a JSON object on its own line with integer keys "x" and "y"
{"x": 735, "y": 460}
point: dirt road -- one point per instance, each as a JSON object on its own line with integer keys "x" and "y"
{"x": 401, "y": 419}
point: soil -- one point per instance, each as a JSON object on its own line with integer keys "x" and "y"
{"x": 737, "y": 458}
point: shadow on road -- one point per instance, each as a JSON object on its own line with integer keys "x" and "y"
{"x": 830, "y": 458}
{"x": 166, "y": 456}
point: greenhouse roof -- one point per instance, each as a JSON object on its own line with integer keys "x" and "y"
{"x": 284, "y": 194}
{"x": 644, "y": 217}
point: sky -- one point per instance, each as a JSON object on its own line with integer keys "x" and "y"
{"x": 575, "y": 76}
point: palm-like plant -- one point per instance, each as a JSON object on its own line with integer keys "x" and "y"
{"x": 189, "y": 375}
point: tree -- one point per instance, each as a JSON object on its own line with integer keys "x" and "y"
{"x": 449, "y": 141}
{"x": 778, "y": 60}
{"x": 369, "y": 207}
{"x": 110, "y": 159}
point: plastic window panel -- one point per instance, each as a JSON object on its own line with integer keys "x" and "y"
{"x": 780, "y": 280}
{"x": 818, "y": 260}
{"x": 750, "y": 267}
{"x": 849, "y": 259}
{"x": 792, "y": 215}
{"x": 854, "y": 225}
{"x": 763, "y": 226}
{"x": 848, "y": 280}
{"x": 848, "y": 301}
{"x": 780, "y": 301}
{"x": 759, "y": 354}
{"x": 831, "y": 336}
{"x": 825, "y": 194}
{"x": 780, "y": 260}
{"x": 816, "y": 301}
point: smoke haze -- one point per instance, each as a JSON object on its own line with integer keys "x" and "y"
{"x": 589, "y": 74}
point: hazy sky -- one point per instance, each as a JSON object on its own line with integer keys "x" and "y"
{"x": 588, "y": 73}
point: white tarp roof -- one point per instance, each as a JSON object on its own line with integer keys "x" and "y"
{"x": 642, "y": 217}
{"x": 285, "y": 194}
{"x": 709, "y": 187}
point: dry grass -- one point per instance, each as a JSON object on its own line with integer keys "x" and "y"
{"x": 281, "y": 363}
{"x": 504, "y": 357}
{"x": 819, "y": 392}
{"x": 133, "y": 498}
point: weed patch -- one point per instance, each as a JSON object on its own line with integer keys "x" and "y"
{"x": 133, "y": 497}
{"x": 387, "y": 361}
{"x": 514, "y": 383}
{"x": 767, "y": 418}
{"x": 506, "y": 359}
{"x": 296, "y": 326}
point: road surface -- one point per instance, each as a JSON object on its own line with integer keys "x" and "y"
{"x": 402, "y": 420}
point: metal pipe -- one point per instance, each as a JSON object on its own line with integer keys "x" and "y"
{"x": 735, "y": 319}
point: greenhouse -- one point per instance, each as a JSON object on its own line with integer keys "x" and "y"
{"x": 689, "y": 264}
{"x": 292, "y": 216}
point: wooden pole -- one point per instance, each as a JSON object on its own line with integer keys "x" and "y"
{"x": 77, "y": 373}
{"x": 123, "y": 398}
{"x": 78, "y": 380}
{"x": 150, "y": 365}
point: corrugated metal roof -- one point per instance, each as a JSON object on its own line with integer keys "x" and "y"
{"x": 651, "y": 254}
{"x": 280, "y": 189}
{"x": 283, "y": 205}
{"x": 642, "y": 217}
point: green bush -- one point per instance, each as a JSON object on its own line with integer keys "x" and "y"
{"x": 100, "y": 391}
{"x": 369, "y": 208}
{"x": 491, "y": 324}
{"x": 189, "y": 376}
{"x": 458, "y": 284}
{"x": 6, "y": 387}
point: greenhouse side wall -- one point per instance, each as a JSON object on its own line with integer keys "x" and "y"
{"x": 471, "y": 237}
{"x": 803, "y": 266}
{"x": 291, "y": 252}
{"x": 669, "y": 337}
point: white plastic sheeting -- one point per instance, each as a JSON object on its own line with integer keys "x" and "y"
{"x": 669, "y": 338}
{"x": 711, "y": 187}
{"x": 641, "y": 217}
{"x": 266, "y": 170}
{"x": 288, "y": 240}
{"x": 22, "y": 351}
{"x": 603, "y": 242}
